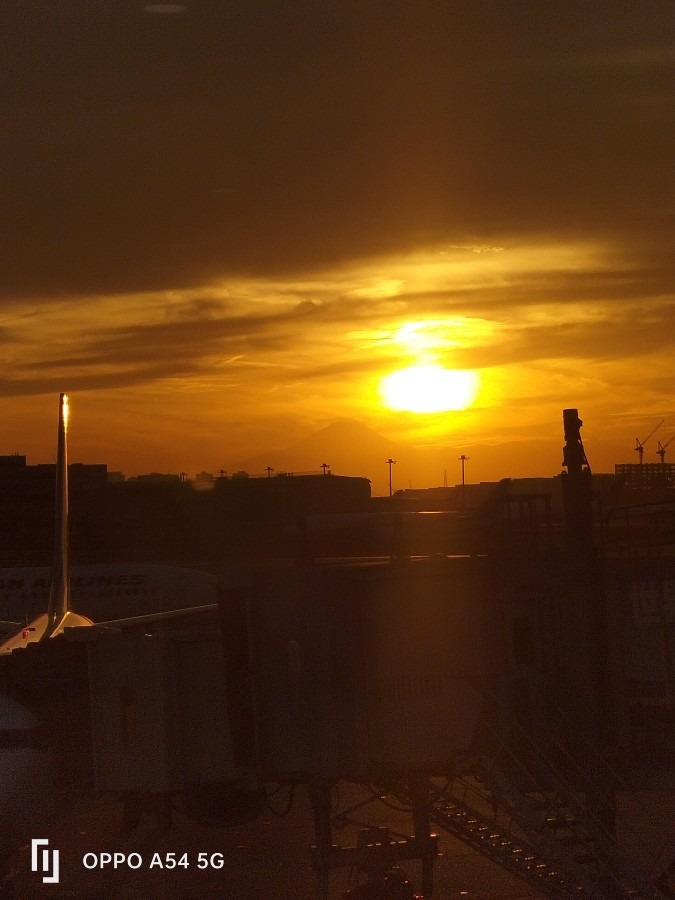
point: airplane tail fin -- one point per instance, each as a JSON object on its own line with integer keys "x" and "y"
{"x": 59, "y": 595}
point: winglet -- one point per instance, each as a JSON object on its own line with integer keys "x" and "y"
{"x": 59, "y": 595}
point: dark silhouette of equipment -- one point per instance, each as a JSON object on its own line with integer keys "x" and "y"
{"x": 640, "y": 445}
{"x": 662, "y": 448}
{"x": 574, "y": 455}
{"x": 576, "y": 484}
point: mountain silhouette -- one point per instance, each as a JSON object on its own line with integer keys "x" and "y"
{"x": 349, "y": 447}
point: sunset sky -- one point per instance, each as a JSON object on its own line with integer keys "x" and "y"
{"x": 224, "y": 223}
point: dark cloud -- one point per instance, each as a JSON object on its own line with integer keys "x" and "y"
{"x": 51, "y": 383}
{"x": 145, "y": 151}
{"x": 633, "y": 335}
{"x": 136, "y": 354}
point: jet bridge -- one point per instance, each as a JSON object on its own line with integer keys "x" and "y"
{"x": 366, "y": 673}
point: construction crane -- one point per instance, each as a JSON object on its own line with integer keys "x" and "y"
{"x": 662, "y": 448}
{"x": 640, "y": 445}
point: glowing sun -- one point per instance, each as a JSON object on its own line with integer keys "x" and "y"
{"x": 429, "y": 389}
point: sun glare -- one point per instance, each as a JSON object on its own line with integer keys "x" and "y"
{"x": 429, "y": 389}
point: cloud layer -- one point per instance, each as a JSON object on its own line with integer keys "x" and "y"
{"x": 153, "y": 151}
{"x": 258, "y": 208}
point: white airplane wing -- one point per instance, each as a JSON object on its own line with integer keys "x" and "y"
{"x": 136, "y": 621}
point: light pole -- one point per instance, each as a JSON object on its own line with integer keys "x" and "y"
{"x": 463, "y": 459}
{"x": 325, "y": 466}
{"x": 269, "y": 471}
{"x": 390, "y": 462}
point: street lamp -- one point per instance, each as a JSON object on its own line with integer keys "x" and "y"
{"x": 390, "y": 462}
{"x": 463, "y": 459}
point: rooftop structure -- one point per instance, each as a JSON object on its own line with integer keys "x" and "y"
{"x": 647, "y": 476}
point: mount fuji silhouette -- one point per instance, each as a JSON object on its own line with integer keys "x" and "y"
{"x": 349, "y": 447}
